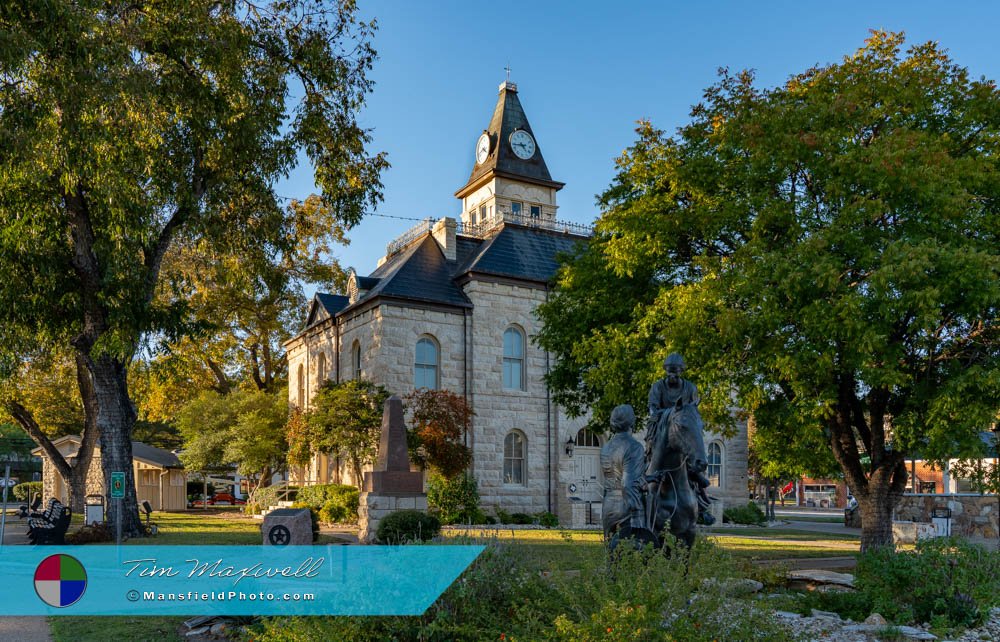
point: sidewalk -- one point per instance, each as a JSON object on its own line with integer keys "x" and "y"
{"x": 21, "y": 629}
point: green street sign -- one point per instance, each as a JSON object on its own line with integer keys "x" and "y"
{"x": 117, "y": 485}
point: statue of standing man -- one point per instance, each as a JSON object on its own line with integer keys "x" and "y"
{"x": 623, "y": 462}
{"x": 663, "y": 395}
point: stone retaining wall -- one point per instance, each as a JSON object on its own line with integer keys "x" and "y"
{"x": 972, "y": 516}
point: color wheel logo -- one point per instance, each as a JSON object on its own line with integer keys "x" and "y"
{"x": 60, "y": 580}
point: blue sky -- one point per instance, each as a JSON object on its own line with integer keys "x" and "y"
{"x": 586, "y": 71}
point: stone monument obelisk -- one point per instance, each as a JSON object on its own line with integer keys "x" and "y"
{"x": 392, "y": 485}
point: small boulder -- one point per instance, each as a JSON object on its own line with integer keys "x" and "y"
{"x": 219, "y": 628}
{"x": 875, "y": 619}
{"x": 825, "y": 614}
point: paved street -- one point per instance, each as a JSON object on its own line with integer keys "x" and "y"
{"x": 20, "y": 629}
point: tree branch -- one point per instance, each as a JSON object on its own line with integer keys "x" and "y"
{"x": 26, "y": 420}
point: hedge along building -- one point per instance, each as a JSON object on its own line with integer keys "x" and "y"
{"x": 451, "y": 305}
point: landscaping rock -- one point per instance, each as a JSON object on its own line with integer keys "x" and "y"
{"x": 913, "y": 633}
{"x": 219, "y": 628}
{"x": 201, "y": 630}
{"x": 825, "y": 614}
{"x": 875, "y": 619}
{"x": 819, "y": 576}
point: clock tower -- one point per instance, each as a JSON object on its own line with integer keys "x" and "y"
{"x": 509, "y": 180}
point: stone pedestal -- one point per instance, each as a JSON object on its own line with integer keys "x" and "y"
{"x": 392, "y": 485}
{"x": 288, "y": 526}
{"x": 373, "y": 507}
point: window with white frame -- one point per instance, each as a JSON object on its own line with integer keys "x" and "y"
{"x": 513, "y": 359}
{"x": 714, "y": 471}
{"x": 425, "y": 366}
{"x": 513, "y": 458}
{"x": 587, "y": 439}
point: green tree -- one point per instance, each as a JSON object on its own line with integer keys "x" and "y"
{"x": 346, "y": 419}
{"x": 244, "y": 429}
{"x": 831, "y": 242}
{"x": 130, "y": 129}
{"x": 51, "y": 395}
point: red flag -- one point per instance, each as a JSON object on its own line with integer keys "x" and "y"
{"x": 788, "y": 488}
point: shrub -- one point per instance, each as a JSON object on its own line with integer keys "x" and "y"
{"x": 23, "y": 492}
{"x": 503, "y": 516}
{"x": 313, "y": 516}
{"x": 455, "y": 500}
{"x": 750, "y": 514}
{"x": 548, "y": 520}
{"x": 336, "y": 503}
{"x": 407, "y": 526}
{"x": 944, "y": 581}
{"x": 342, "y": 509}
{"x": 90, "y": 533}
{"x": 521, "y": 518}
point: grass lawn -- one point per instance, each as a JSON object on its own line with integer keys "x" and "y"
{"x": 113, "y": 629}
{"x": 552, "y": 549}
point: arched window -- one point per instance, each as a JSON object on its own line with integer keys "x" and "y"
{"x": 321, "y": 368}
{"x": 301, "y": 382}
{"x": 356, "y": 361}
{"x": 425, "y": 366}
{"x": 513, "y": 359}
{"x": 587, "y": 439}
{"x": 513, "y": 458}
{"x": 714, "y": 472}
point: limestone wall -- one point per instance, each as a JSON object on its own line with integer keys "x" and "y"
{"x": 499, "y": 306}
{"x": 973, "y": 516}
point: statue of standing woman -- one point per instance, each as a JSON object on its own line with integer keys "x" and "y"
{"x": 623, "y": 462}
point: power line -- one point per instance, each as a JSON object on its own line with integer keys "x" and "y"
{"x": 400, "y": 218}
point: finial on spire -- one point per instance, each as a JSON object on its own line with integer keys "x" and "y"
{"x": 507, "y": 84}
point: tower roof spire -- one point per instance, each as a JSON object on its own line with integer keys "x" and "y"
{"x": 508, "y": 118}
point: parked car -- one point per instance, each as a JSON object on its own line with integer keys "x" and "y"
{"x": 218, "y": 499}
{"x": 9, "y": 482}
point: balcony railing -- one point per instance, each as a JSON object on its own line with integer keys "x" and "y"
{"x": 404, "y": 239}
{"x": 485, "y": 228}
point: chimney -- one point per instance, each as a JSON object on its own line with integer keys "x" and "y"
{"x": 444, "y": 234}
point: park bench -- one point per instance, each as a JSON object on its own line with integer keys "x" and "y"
{"x": 50, "y": 526}
{"x": 27, "y": 510}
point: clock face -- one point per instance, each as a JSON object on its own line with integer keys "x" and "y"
{"x": 482, "y": 148}
{"x": 523, "y": 144}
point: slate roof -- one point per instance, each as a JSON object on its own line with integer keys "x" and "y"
{"x": 508, "y": 116}
{"x": 521, "y": 253}
{"x": 419, "y": 273}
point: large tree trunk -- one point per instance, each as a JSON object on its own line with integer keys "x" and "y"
{"x": 115, "y": 419}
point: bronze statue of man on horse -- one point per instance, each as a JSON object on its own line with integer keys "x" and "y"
{"x": 659, "y": 487}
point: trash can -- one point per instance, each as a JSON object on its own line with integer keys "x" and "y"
{"x": 94, "y": 509}
{"x": 941, "y": 518}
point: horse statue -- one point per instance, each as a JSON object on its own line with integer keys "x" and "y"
{"x": 679, "y": 447}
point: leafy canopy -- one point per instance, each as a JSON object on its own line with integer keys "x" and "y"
{"x": 346, "y": 419}
{"x": 826, "y": 250}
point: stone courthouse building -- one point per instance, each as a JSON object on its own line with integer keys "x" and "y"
{"x": 451, "y": 305}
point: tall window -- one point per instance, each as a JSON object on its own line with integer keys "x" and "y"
{"x": 587, "y": 439}
{"x": 513, "y": 458}
{"x": 301, "y": 381}
{"x": 321, "y": 368}
{"x": 513, "y": 359}
{"x": 356, "y": 361}
{"x": 425, "y": 367}
{"x": 536, "y": 211}
{"x": 714, "y": 472}
{"x": 515, "y": 208}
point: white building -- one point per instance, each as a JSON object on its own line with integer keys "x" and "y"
{"x": 451, "y": 305}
